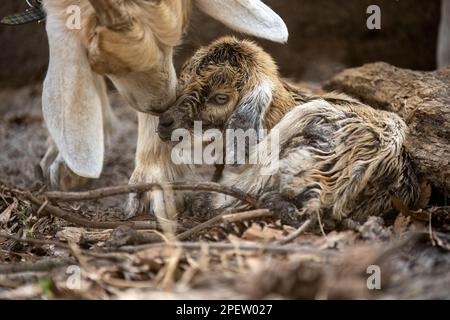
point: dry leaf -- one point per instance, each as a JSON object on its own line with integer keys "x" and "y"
{"x": 265, "y": 234}
{"x": 401, "y": 224}
{"x": 6, "y": 214}
{"x": 155, "y": 258}
{"x": 235, "y": 239}
{"x": 71, "y": 234}
{"x": 154, "y": 253}
{"x": 425, "y": 194}
{"x": 336, "y": 240}
{"x": 27, "y": 291}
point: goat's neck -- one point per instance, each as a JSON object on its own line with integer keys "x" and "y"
{"x": 285, "y": 97}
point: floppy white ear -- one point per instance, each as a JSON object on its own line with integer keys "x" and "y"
{"x": 71, "y": 103}
{"x": 248, "y": 16}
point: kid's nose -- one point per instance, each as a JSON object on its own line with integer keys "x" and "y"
{"x": 166, "y": 121}
{"x": 165, "y": 126}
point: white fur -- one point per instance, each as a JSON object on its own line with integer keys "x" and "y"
{"x": 72, "y": 103}
{"x": 251, "y": 178}
{"x": 247, "y": 16}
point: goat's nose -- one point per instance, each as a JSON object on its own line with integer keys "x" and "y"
{"x": 166, "y": 121}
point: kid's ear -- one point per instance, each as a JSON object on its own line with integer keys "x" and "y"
{"x": 247, "y": 119}
{"x": 252, "y": 17}
{"x": 251, "y": 108}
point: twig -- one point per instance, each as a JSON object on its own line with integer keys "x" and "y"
{"x": 231, "y": 246}
{"x": 138, "y": 188}
{"x": 248, "y": 215}
{"x": 42, "y": 207}
{"x": 144, "y": 187}
{"x": 38, "y": 266}
{"x": 127, "y": 236}
{"x": 61, "y": 245}
{"x": 201, "y": 227}
{"x": 40, "y": 242}
{"x": 225, "y": 217}
{"x": 430, "y": 230}
{"x": 73, "y": 218}
{"x": 294, "y": 235}
{"x": 319, "y": 220}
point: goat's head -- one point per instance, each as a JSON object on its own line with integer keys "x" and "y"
{"x": 230, "y": 84}
{"x": 132, "y": 42}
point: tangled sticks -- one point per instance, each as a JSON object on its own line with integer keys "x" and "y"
{"x": 43, "y": 202}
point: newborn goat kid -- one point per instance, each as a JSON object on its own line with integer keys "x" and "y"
{"x": 338, "y": 157}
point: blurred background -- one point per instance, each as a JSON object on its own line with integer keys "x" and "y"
{"x": 326, "y": 36}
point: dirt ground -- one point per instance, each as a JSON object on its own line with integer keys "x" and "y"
{"x": 247, "y": 259}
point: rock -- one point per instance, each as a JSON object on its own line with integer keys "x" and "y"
{"x": 422, "y": 99}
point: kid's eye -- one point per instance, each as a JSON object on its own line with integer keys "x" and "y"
{"x": 220, "y": 99}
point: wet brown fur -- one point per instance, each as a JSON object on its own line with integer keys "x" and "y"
{"x": 140, "y": 45}
{"x": 339, "y": 157}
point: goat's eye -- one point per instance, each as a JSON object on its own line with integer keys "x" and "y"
{"x": 220, "y": 99}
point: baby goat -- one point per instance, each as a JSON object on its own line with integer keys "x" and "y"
{"x": 337, "y": 156}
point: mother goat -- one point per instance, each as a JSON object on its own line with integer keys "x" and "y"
{"x": 131, "y": 42}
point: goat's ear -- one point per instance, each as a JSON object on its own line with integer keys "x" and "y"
{"x": 72, "y": 106}
{"x": 244, "y": 126}
{"x": 248, "y": 16}
{"x": 250, "y": 110}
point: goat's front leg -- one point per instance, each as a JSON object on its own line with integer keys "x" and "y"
{"x": 153, "y": 165}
